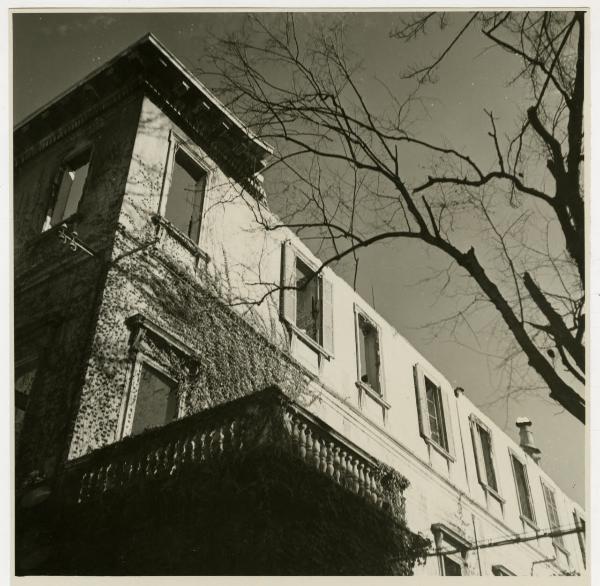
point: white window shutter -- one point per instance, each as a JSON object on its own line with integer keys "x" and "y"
{"x": 287, "y": 305}
{"x": 478, "y": 451}
{"x": 448, "y": 423}
{"x": 327, "y": 314}
{"x": 421, "y": 402}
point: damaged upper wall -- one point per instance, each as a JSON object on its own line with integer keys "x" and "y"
{"x": 149, "y": 64}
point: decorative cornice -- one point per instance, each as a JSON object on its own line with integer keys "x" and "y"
{"x": 91, "y": 114}
{"x": 451, "y": 534}
{"x": 139, "y": 323}
{"x": 149, "y": 62}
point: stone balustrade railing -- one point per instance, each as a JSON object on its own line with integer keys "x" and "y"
{"x": 254, "y": 421}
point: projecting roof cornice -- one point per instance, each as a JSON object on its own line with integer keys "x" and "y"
{"x": 149, "y": 64}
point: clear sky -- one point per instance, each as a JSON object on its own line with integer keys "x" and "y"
{"x": 53, "y": 51}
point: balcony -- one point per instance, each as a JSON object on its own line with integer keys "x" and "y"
{"x": 257, "y": 486}
{"x": 261, "y": 421}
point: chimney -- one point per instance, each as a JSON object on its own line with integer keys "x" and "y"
{"x": 526, "y": 438}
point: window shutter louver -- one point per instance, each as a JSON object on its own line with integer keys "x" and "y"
{"x": 478, "y": 451}
{"x": 421, "y": 402}
{"x": 288, "y": 279}
{"x": 327, "y": 314}
{"x": 448, "y": 423}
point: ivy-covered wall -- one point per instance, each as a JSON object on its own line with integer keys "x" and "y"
{"x": 231, "y": 357}
{"x": 57, "y": 290}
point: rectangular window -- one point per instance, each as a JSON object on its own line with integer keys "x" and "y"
{"x": 186, "y": 195}
{"x": 484, "y": 456}
{"x": 368, "y": 353}
{"x": 550, "y": 500}
{"x": 523, "y": 491}
{"x": 435, "y": 412}
{"x": 70, "y": 188}
{"x": 453, "y": 550}
{"x": 452, "y": 567}
{"x": 24, "y": 376}
{"x": 580, "y": 522}
{"x": 156, "y": 403}
{"x": 308, "y": 302}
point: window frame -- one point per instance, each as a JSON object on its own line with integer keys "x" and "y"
{"x": 319, "y": 296}
{"x": 446, "y": 537}
{"x": 376, "y": 393}
{"x": 514, "y": 457}
{"x": 420, "y": 373}
{"x": 439, "y": 413}
{"x": 29, "y": 359}
{"x": 146, "y": 362}
{"x": 177, "y": 143}
{"x": 75, "y": 153}
{"x": 476, "y": 424}
{"x": 558, "y": 542}
{"x": 140, "y": 361}
{"x": 288, "y": 301}
{"x": 140, "y": 327}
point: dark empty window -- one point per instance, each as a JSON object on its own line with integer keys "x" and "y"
{"x": 156, "y": 403}
{"x": 452, "y": 567}
{"x": 453, "y": 550}
{"x": 186, "y": 195}
{"x": 522, "y": 484}
{"x": 308, "y": 303}
{"x": 24, "y": 377}
{"x": 435, "y": 411}
{"x": 368, "y": 353}
{"x": 70, "y": 189}
{"x": 486, "y": 448}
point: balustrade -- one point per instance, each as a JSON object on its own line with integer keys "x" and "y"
{"x": 197, "y": 439}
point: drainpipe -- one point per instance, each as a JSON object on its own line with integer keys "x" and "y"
{"x": 476, "y": 544}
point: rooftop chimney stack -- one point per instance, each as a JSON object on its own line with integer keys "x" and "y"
{"x": 526, "y": 438}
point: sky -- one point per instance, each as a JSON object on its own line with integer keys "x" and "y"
{"x": 53, "y": 51}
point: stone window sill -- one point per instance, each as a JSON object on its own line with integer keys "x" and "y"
{"x": 527, "y": 522}
{"x": 371, "y": 393}
{"x": 441, "y": 450}
{"x": 179, "y": 236}
{"x": 69, "y": 222}
{"x": 306, "y": 339}
{"x": 492, "y": 492}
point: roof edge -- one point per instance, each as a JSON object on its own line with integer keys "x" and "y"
{"x": 152, "y": 39}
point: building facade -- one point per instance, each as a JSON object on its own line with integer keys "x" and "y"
{"x": 162, "y": 332}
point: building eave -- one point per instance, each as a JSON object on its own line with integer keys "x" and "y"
{"x": 149, "y": 59}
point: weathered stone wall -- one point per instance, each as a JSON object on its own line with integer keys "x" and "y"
{"x": 57, "y": 289}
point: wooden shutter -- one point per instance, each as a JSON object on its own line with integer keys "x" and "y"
{"x": 478, "y": 451}
{"x": 287, "y": 302}
{"x": 448, "y": 423}
{"x": 327, "y": 315}
{"x": 421, "y": 402}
